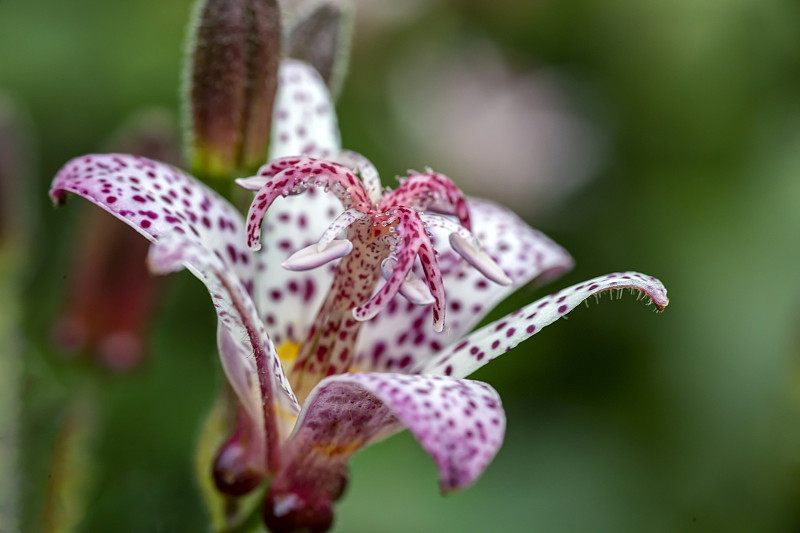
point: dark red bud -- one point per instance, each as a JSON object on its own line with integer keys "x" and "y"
{"x": 233, "y": 470}
{"x": 236, "y": 467}
{"x": 292, "y": 514}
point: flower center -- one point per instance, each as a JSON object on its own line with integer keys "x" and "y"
{"x": 329, "y": 347}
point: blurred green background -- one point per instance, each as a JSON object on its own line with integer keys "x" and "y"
{"x": 670, "y": 145}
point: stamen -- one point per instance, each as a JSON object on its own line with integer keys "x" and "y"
{"x": 467, "y": 246}
{"x": 412, "y": 240}
{"x": 479, "y": 259}
{"x": 313, "y": 256}
{"x": 413, "y": 288}
{"x": 252, "y": 183}
{"x": 342, "y": 221}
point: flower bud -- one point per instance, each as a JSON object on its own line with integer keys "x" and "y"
{"x": 15, "y": 173}
{"x": 231, "y": 84}
{"x": 235, "y": 469}
{"x": 110, "y": 294}
{"x": 319, "y": 33}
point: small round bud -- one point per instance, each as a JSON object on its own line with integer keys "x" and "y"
{"x": 233, "y": 469}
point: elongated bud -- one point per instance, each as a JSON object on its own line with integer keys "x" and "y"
{"x": 235, "y": 469}
{"x": 232, "y": 79}
{"x": 319, "y": 32}
{"x": 15, "y": 174}
{"x": 110, "y": 294}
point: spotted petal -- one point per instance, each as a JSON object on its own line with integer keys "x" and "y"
{"x": 304, "y": 124}
{"x": 500, "y": 336}
{"x": 304, "y": 120}
{"x": 400, "y": 337}
{"x": 238, "y": 316}
{"x": 193, "y": 228}
{"x": 157, "y": 199}
{"x": 459, "y": 423}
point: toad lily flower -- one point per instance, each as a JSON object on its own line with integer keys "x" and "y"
{"x": 350, "y": 357}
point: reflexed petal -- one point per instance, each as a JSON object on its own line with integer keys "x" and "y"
{"x": 400, "y": 337}
{"x": 237, "y": 314}
{"x": 459, "y": 423}
{"x": 304, "y": 119}
{"x": 500, "y": 336}
{"x": 156, "y": 200}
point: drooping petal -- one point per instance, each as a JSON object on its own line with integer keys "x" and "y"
{"x": 500, "y": 336}
{"x": 192, "y": 227}
{"x": 400, "y": 337}
{"x": 156, "y": 200}
{"x": 237, "y": 315}
{"x": 459, "y": 423}
{"x": 304, "y": 119}
{"x": 298, "y": 178}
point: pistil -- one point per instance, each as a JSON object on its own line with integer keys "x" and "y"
{"x": 330, "y": 345}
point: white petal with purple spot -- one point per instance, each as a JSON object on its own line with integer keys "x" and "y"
{"x": 500, "y": 336}
{"x": 237, "y": 314}
{"x": 304, "y": 119}
{"x": 460, "y": 423}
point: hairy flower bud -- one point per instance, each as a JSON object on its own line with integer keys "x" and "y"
{"x": 231, "y": 84}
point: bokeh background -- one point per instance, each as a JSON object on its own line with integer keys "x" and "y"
{"x": 660, "y": 136}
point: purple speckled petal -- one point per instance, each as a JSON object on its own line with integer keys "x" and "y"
{"x": 248, "y": 355}
{"x": 288, "y": 301}
{"x": 500, "y": 336}
{"x": 157, "y": 199}
{"x": 304, "y": 119}
{"x": 400, "y": 337}
{"x": 459, "y": 423}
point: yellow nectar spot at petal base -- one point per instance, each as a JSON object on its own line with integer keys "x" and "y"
{"x": 287, "y": 352}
